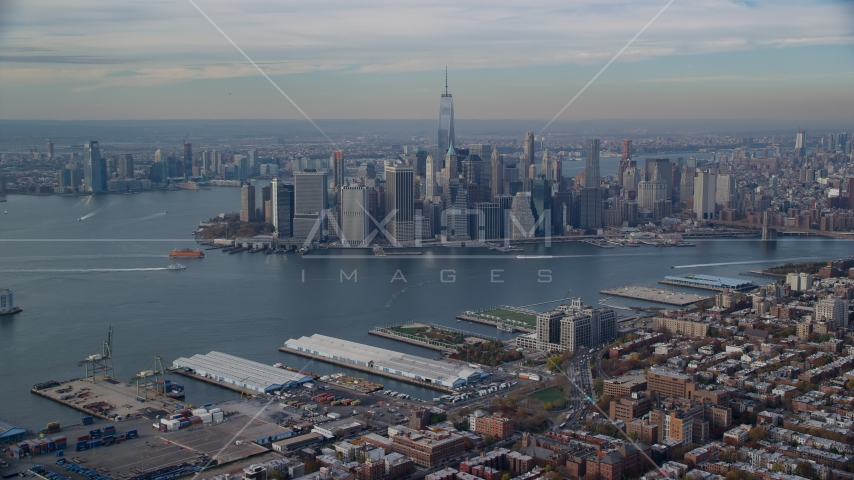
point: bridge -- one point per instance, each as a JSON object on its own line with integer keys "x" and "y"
{"x": 771, "y": 232}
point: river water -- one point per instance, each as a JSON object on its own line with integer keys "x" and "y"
{"x": 75, "y": 278}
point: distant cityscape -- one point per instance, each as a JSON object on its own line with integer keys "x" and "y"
{"x": 480, "y": 191}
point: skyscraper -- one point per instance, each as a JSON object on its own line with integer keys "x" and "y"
{"x": 338, "y": 168}
{"x": 724, "y": 189}
{"x": 49, "y": 149}
{"x": 94, "y": 169}
{"x": 247, "y": 203}
{"x": 446, "y": 119}
{"x": 450, "y": 165}
{"x": 310, "y": 204}
{"x": 522, "y": 221}
{"x": 496, "y": 179}
{"x": 430, "y": 178}
{"x": 624, "y": 160}
{"x": 592, "y": 178}
{"x": 400, "y": 202}
{"x": 544, "y": 168}
{"x": 354, "y": 215}
{"x": 282, "y": 204}
{"x": 266, "y": 209}
{"x": 801, "y": 144}
{"x": 526, "y": 161}
{"x": 254, "y": 164}
{"x": 590, "y": 200}
{"x": 705, "y": 185}
{"x": 126, "y": 165}
{"x": 188, "y": 159}
{"x": 456, "y": 214}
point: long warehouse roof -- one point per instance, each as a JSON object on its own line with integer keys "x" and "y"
{"x": 447, "y": 372}
{"x": 241, "y": 370}
{"x": 711, "y": 280}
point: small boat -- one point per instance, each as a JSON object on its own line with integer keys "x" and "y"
{"x": 176, "y": 266}
{"x": 165, "y": 211}
{"x": 304, "y": 250}
{"x": 5, "y": 212}
{"x": 80, "y": 219}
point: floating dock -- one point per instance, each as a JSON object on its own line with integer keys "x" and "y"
{"x": 657, "y": 295}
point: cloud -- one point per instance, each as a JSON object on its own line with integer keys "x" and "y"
{"x": 384, "y": 36}
{"x": 54, "y": 59}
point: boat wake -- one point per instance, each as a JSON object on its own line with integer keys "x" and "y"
{"x": 92, "y": 270}
{"x": 747, "y": 262}
{"x": 93, "y": 213}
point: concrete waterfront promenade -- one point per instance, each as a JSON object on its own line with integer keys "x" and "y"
{"x": 657, "y": 295}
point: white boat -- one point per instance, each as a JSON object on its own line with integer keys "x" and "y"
{"x": 176, "y": 266}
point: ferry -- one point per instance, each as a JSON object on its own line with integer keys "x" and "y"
{"x": 187, "y": 253}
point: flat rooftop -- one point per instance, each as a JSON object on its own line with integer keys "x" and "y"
{"x": 382, "y": 359}
{"x": 627, "y": 380}
{"x": 710, "y": 281}
{"x": 246, "y": 373}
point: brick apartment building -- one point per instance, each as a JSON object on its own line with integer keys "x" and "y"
{"x": 496, "y": 425}
{"x": 428, "y": 449}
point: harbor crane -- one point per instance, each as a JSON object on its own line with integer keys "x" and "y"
{"x": 143, "y": 381}
{"x": 100, "y": 363}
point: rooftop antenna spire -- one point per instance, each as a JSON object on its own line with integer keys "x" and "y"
{"x": 446, "y": 79}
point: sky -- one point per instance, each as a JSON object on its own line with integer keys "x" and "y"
{"x": 374, "y": 59}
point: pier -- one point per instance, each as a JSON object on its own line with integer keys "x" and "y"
{"x": 102, "y": 398}
{"x": 371, "y": 371}
{"x": 657, "y": 295}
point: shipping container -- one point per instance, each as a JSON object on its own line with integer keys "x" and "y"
{"x": 131, "y": 434}
{"x": 87, "y": 420}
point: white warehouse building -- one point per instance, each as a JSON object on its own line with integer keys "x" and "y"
{"x": 244, "y": 373}
{"x": 444, "y": 373}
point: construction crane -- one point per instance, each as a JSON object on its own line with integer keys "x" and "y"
{"x": 142, "y": 378}
{"x": 100, "y": 363}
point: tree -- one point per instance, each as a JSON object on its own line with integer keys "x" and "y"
{"x": 488, "y": 439}
{"x": 554, "y": 363}
{"x": 598, "y": 385}
{"x": 634, "y": 436}
{"x": 805, "y": 469}
{"x": 506, "y": 476}
{"x": 548, "y": 468}
{"x": 758, "y": 433}
{"x": 777, "y": 467}
{"x": 552, "y": 476}
{"x": 548, "y": 406}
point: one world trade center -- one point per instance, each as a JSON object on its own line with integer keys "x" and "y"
{"x": 446, "y": 120}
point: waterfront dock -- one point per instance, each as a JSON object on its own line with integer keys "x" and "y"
{"x": 371, "y": 371}
{"x": 421, "y": 335}
{"x": 104, "y": 397}
{"x": 657, "y": 295}
{"x": 383, "y": 332}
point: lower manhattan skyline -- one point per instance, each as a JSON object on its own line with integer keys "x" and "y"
{"x": 268, "y": 240}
